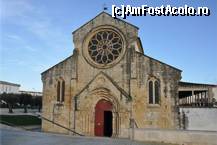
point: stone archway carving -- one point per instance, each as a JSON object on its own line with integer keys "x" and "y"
{"x": 87, "y": 108}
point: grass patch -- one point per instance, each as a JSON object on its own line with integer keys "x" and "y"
{"x": 19, "y": 120}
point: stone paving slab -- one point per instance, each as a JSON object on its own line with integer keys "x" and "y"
{"x": 20, "y": 137}
{"x": 3, "y": 126}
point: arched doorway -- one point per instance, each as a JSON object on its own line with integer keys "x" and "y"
{"x": 103, "y": 118}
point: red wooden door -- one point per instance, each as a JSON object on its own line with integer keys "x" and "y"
{"x": 100, "y": 107}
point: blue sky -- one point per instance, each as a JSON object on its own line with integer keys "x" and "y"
{"x": 36, "y": 34}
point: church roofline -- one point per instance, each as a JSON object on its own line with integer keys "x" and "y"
{"x": 56, "y": 64}
{"x": 182, "y": 84}
{"x": 9, "y": 83}
{"x": 159, "y": 61}
{"x": 106, "y": 14}
{"x": 140, "y": 42}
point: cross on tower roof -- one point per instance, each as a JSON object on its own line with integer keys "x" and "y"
{"x": 105, "y": 8}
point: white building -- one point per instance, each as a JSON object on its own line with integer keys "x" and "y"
{"x": 33, "y": 93}
{"x": 7, "y": 87}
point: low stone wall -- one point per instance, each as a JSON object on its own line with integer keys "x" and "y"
{"x": 176, "y": 136}
{"x": 200, "y": 118}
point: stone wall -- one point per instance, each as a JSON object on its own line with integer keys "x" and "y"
{"x": 59, "y": 112}
{"x": 200, "y": 118}
{"x": 176, "y": 136}
{"x": 214, "y": 91}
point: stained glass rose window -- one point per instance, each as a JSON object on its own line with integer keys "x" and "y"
{"x": 105, "y": 46}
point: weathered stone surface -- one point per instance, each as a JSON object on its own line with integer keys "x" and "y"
{"x": 124, "y": 83}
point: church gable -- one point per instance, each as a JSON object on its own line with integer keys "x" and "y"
{"x": 106, "y": 16}
{"x": 129, "y": 31}
{"x": 103, "y": 82}
{"x": 156, "y": 62}
{"x": 64, "y": 69}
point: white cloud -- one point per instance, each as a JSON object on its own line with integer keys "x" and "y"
{"x": 15, "y": 8}
{"x": 31, "y": 35}
{"x": 23, "y": 44}
{"x": 14, "y": 37}
{"x": 30, "y": 48}
{"x": 33, "y": 19}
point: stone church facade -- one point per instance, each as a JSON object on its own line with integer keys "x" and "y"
{"x": 108, "y": 85}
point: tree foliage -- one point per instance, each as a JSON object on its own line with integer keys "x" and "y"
{"x": 10, "y": 99}
{"x": 21, "y": 100}
{"x": 25, "y": 99}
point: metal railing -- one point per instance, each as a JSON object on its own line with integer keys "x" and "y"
{"x": 12, "y": 125}
{"x": 39, "y": 116}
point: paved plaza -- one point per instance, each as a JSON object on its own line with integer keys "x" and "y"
{"x": 10, "y": 136}
{"x": 4, "y": 111}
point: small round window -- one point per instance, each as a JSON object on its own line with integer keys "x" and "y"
{"x": 105, "y": 46}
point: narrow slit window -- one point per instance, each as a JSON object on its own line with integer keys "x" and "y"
{"x": 76, "y": 103}
{"x": 150, "y": 92}
{"x": 58, "y": 91}
{"x": 157, "y": 96}
{"x": 63, "y": 91}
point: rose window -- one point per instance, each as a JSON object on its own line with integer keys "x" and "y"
{"x": 105, "y": 46}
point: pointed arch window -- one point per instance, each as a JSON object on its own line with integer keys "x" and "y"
{"x": 150, "y": 92}
{"x": 60, "y": 90}
{"x": 154, "y": 92}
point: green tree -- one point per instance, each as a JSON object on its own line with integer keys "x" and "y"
{"x": 25, "y": 100}
{"x": 38, "y": 102}
{"x": 11, "y": 99}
